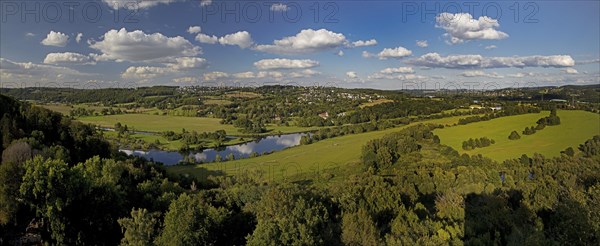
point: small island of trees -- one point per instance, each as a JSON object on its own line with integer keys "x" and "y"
{"x": 477, "y": 143}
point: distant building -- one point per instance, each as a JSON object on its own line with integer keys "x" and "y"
{"x": 496, "y": 108}
{"x": 324, "y": 115}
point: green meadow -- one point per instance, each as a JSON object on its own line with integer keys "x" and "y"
{"x": 575, "y": 128}
{"x": 335, "y": 156}
{"x": 161, "y": 123}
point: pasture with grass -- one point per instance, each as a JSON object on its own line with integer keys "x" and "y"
{"x": 574, "y": 129}
{"x": 160, "y": 123}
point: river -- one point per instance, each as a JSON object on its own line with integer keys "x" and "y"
{"x": 260, "y": 146}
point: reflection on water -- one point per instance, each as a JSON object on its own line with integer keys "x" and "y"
{"x": 264, "y": 145}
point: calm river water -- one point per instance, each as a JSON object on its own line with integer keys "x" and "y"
{"x": 263, "y": 145}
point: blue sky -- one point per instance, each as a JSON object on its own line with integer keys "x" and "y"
{"x": 374, "y": 44}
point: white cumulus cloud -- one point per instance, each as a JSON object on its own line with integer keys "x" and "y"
{"x": 521, "y": 75}
{"x": 122, "y": 45}
{"x": 303, "y": 74}
{"x": 145, "y": 72}
{"x": 570, "y": 71}
{"x": 68, "y": 58}
{"x": 270, "y": 74}
{"x": 352, "y": 74}
{"x": 206, "y": 39}
{"x": 279, "y": 63}
{"x": 58, "y": 39}
{"x": 397, "y": 70}
{"x": 422, "y": 43}
{"x": 176, "y": 66}
{"x": 479, "y": 73}
{"x": 461, "y": 27}
{"x": 278, "y": 75}
{"x": 306, "y": 41}
{"x": 361, "y": 43}
{"x": 182, "y": 63}
{"x": 435, "y": 60}
{"x": 11, "y": 71}
{"x": 244, "y": 75}
{"x": 397, "y": 76}
{"x": 397, "y": 73}
{"x": 186, "y": 79}
{"x": 211, "y": 76}
{"x": 241, "y": 39}
{"x": 194, "y": 29}
{"x": 397, "y": 52}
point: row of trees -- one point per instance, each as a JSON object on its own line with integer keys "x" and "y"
{"x": 530, "y": 130}
{"x": 249, "y": 126}
{"x": 79, "y": 112}
{"x": 477, "y": 143}
{"x": 379, "y": 112}
{"x": 332, "y": 132}
{"x": 551, "y": 120}
{"x": 194, "y": 137}
{"x": 508, "y": 110}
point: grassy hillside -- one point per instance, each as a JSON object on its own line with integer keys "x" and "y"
{"x": 335, "y": 156}
{"x": 575, "y": 128}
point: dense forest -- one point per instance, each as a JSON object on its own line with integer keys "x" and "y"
{"x": 90, "y": 95}
{"x": 61, "y": 183}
